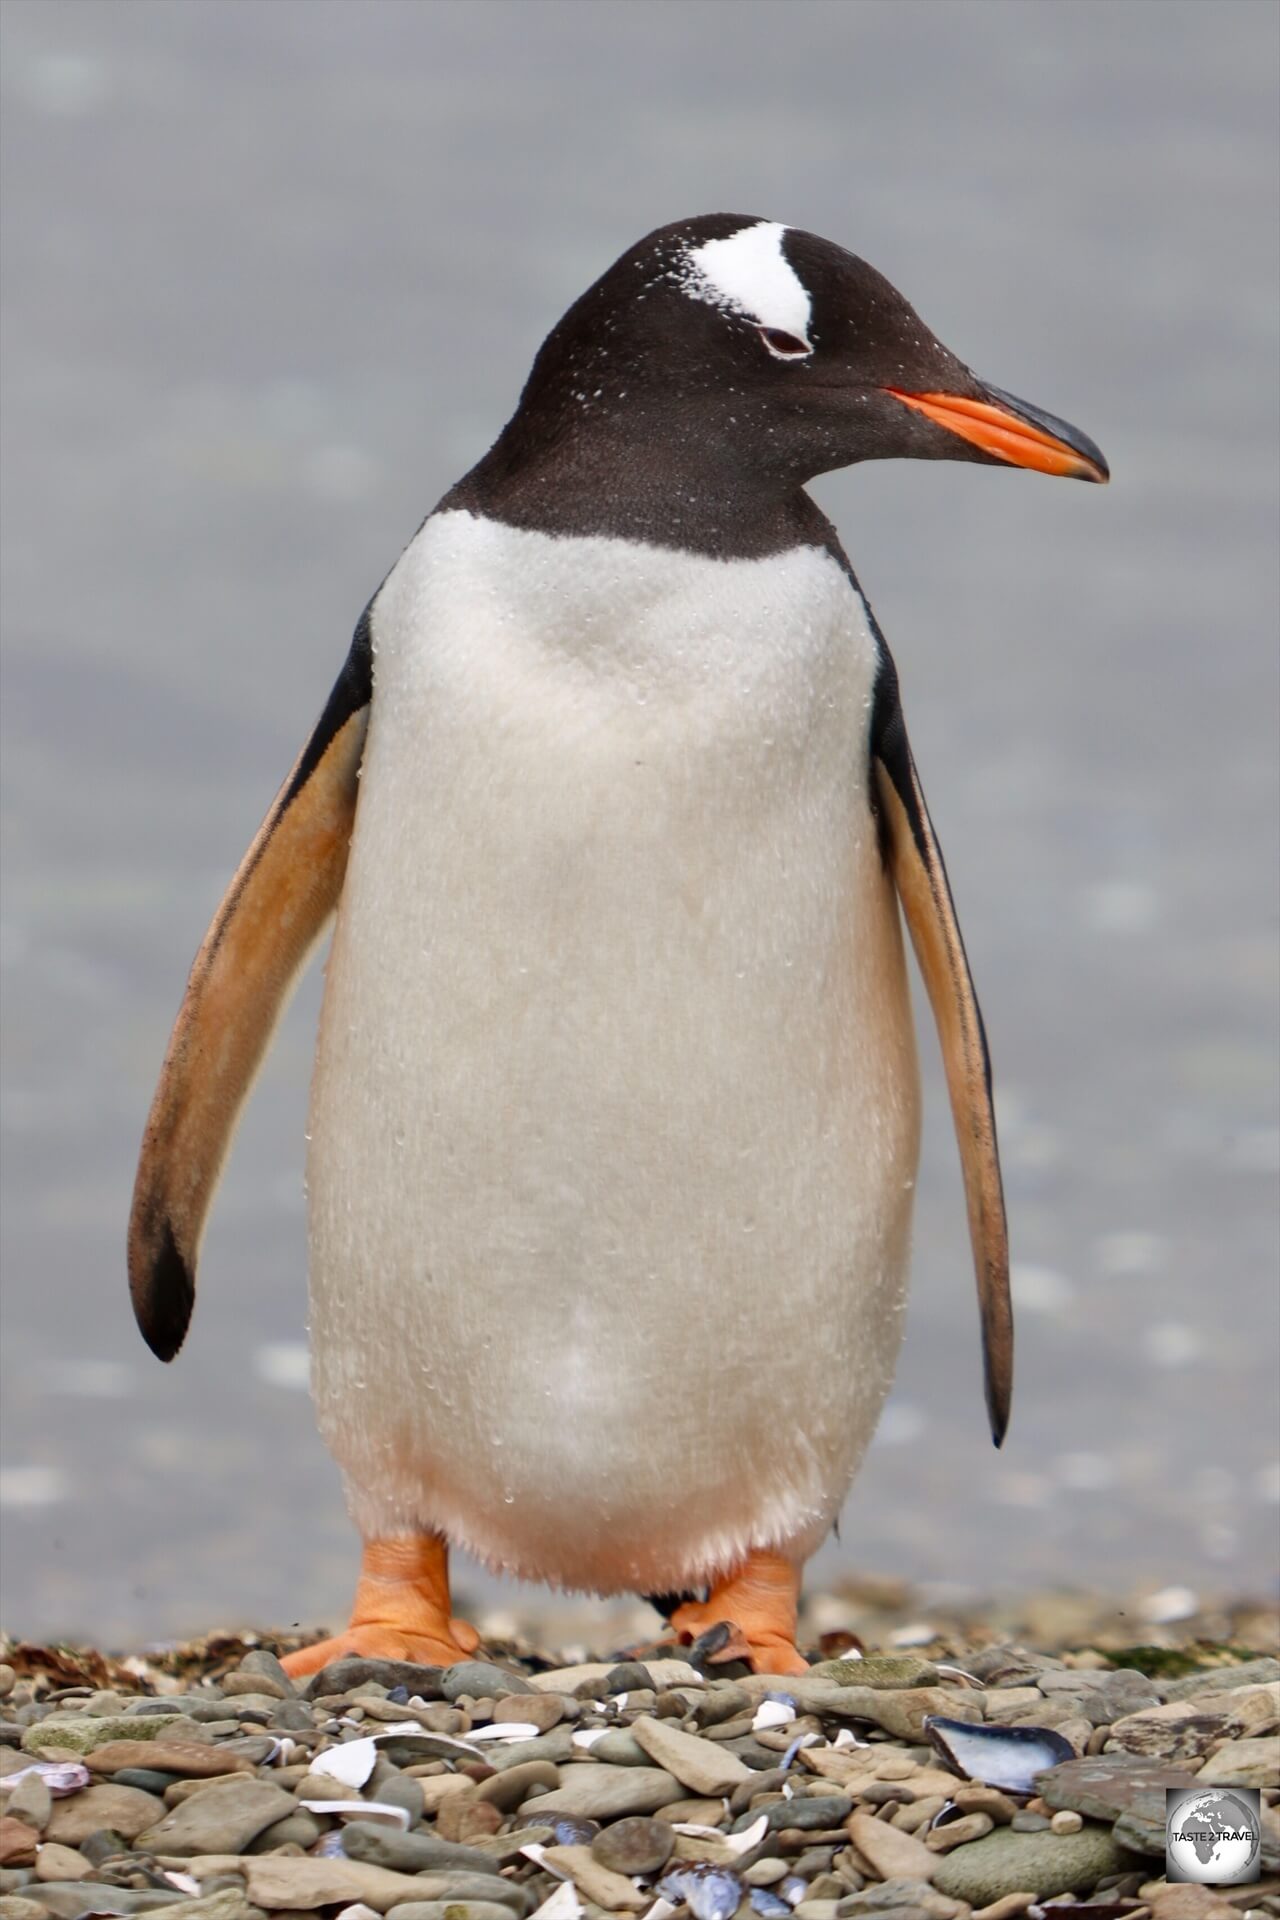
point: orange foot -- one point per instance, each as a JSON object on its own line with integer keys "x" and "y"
{"x": 401, "y": 1611}
{"x": 758, "y": 1603}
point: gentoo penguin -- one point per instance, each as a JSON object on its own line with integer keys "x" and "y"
{"x": 615, "y": 1114}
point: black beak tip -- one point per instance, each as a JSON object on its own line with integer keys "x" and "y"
{"x": 1089, "y": 451}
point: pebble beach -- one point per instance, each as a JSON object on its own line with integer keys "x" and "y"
{"x": 998, "y": 1762}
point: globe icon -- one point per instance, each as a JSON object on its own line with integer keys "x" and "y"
{"x": 1213, "y": 1838}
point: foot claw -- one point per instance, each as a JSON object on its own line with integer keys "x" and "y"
{"x": 756, "y": 1609}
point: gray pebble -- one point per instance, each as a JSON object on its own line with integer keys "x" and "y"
{"x": 627, "y": 1677}
{"x": 299, "y": 1828}
{"x": 102, "y": 1845}
{"x": 1041, "y": 1863}
{"x": 1029, "y": 1823}
{"x": 352, "y": 1672}
{"x": 221, "y": 1818}
{"x": 149, "y": 1779}
{"x": 621, "y": 1749}
{"x": 748, "y": 1790}
{"x": 31, "y": 1801}
{"x": 259, "y": 1661}
{"x": 722, "y": 1702}
{"x": 399, "y": 1791}
{"x": 481, "y": 1677}
{"x": 556, "y": 1747}
{"x": 418, "y": 1852}
{"x": 810, "y": 1814}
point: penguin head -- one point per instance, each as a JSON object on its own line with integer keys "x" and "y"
{"x": 734, "y": 339}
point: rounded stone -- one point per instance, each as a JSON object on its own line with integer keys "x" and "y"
{"x": 634, "y": 1845}
{"x": 478, "y": 1678}
{"x": 1041, "y": 1863}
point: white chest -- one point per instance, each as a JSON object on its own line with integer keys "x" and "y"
{"x": 616, "y": 1065}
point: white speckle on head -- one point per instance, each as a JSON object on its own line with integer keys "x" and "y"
{"x": 749, "y": 274}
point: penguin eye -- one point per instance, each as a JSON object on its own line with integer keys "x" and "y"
{"x": 784, "y": 346}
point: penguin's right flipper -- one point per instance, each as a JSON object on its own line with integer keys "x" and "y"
{"x": 275, "y": 909}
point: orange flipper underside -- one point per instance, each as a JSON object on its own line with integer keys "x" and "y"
{"x": 759, "y": 1600}
{"x": 401, "y": 1612}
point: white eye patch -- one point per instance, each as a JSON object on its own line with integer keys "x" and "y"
{"x": 749, "y": 274}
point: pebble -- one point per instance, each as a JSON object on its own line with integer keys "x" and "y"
{"x": 463, "y": 1821}
{"x": 958, "y": 1833}
{"x": 604, "y": 1793}
{"x": 384, "y": 1846}
{"x": 221, "y": 1818}
{"x": 892, "y": 1854}
{"x": 704, "y": 1766}
{"x": 973, "y": 1797}
{"x": 1242, "y": 1763}
{"x": 510, "y": 1788}
{"x": 61, "y": 1863}
{"x": 1006, "y": 1861}
{"x": 540, "y": 1710}
{"x": 878, "y": 1670}
{"x": 123, "y": 1810}
{"x": 447, "y": 1910}
{"x": 598, "y": 1883}
{"x": 634, "y": 1845}
{"x": 804, "y": 1813}
{"x": 31, "y": 1801}
{"x": 18, "y": 1842}
{"x": 481, "y": 1677}
{"x": 190, "y": 1760}
{"x": 1066, "y": 1821}
{"x": 620, "y": 1749}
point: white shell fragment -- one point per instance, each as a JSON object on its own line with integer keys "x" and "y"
{"x": 60, "y": 1776}
{"x": 505, "y": 1730}
{"x": 563, "y": 1904}
{"x": 586, "y": 1737}
{"x": 772, "y": 1713}
{"x": 735, "y": 1842}
{"x": 352, "y": 1763}
{"x": 847, "y": 1739}
{"x": 1004, "y": 1757}
{"x": 184, "y": 1882}
{"x": 379, "y": 1811}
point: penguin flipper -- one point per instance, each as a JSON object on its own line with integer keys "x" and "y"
{"x": 275, "y": 909}
{"x": 920, "y": 876}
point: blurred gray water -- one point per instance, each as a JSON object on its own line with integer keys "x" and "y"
{"x": 273, "y": 274}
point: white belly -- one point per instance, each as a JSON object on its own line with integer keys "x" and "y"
{"x": 615, "y": 1114}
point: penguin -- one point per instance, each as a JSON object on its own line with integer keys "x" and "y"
{"x": 615, "y": 1115}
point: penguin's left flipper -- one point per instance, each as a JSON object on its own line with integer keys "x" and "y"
{"x": 915, "y": 860}
{"x": 274, "y": 911}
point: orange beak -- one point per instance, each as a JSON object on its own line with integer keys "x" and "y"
{"x": 1013, "y": 430}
